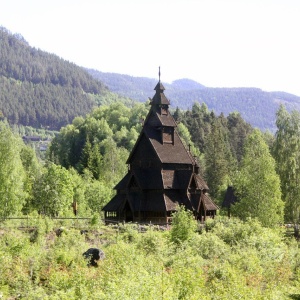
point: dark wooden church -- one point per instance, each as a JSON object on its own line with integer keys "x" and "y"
{"x": 162, "y": 174}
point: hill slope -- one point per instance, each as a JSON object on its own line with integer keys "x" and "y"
{"x": 255, "y": 106}
{"x": 40, "y": 89}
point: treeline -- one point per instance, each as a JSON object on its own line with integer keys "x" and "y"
{"x": 88, "y": 157}
{"x": 85, "y": 161}
{"x": 30, "y": 185}
{"x": 229, "y": 151}
{"x": 122, "y": 124}
{"x": 94, "y": 149}
{"x": 101, "y": 140}
{"x": 199, "y": 120}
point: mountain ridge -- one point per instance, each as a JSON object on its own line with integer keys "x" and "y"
{"x": 256, "y": 106}
{"x": 42, "y": 90}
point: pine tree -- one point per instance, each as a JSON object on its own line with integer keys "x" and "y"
{"x": 218, "y": 159}
{"x": 95, "y": 161}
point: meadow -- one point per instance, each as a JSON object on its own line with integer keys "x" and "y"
{"x": 225, "y": 259}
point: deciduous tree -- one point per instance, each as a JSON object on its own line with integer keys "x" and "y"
{"x": 53, "y": 194}
{"x": 12, "y": 174}
{"x": 257, "y": 186}
{"x": 287, "y": 155}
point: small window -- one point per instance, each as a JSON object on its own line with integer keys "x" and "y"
{"x": 168, "y": 135}
{"x": 164, "y": 111}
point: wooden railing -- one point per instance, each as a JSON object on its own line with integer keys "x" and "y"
{"x": 28, "y": 222}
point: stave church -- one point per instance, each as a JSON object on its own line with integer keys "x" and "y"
{"x": 162, "y": 174}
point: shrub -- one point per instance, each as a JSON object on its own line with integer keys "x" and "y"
{"x": 183, "y": 227}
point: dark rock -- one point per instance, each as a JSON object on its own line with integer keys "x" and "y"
{"x": 59, "y": 231}
{"x": 92, "y": 255}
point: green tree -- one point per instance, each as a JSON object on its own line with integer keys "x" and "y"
{"x": 218, "y": 159}
{"x": 114, "y": 161}
{"x": 85, "y": 156}
{"x": 91, "y": 159}
{"x": 189, "y": 144}
{"x": 178, "y": 115}
{"x": 187, "y": 140}
{"x": 287, "y": 155}
{"x": 238, "y": 132}
{"x": 66, "y": 147}
{"x": 97, "y": 194}
{"x": 184, "y": 225}
{"x": 257, "y": 186}
{"x": 32, "y": 169}
{"x": 95, "y": 161}
{"x": 198, "y": 122}
{"x": 12, "y": 174}
{"x": 80, "y": 184}
{"x": 53, "y": 192}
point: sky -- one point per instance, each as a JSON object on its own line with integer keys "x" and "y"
{"x": 218, "y": 43}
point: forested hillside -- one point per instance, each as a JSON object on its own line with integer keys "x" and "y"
{"x": 40, "y": 89}
{"x": 255, "y": 106}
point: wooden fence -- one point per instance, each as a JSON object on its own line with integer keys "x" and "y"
{"x": 27, "y": 223}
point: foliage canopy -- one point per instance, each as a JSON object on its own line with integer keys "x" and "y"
{"x": 257, "y": 186}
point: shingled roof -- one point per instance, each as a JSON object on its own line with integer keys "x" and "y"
{"x": 179, "y": 154}
{"x": 208, "y": 203}
{"x": 159, "y": 97}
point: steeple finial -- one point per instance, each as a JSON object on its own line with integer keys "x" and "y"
{"x": 159, "y": 73}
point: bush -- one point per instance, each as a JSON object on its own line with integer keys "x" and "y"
{"x": 233, "y": 260}
{"x": 183, "y": 227}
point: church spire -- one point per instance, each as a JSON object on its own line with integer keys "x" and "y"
{"x": 159, "y": 97}
{"x": 159, "y": 74}
{"x": 159, "y": 88}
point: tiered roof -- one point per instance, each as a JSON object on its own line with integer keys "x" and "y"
{"x": 161, "y": 169}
